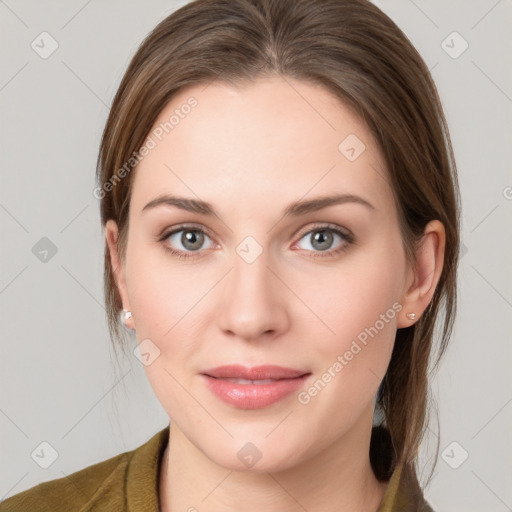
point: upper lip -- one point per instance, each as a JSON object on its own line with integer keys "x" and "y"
{"x": 254, "y": 373}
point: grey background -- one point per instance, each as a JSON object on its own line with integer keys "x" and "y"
{"x": 59, "y": 379}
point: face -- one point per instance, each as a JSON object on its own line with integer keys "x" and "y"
{"x": 319, "y": 288}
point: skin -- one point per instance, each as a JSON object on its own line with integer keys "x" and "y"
{"x": 250, "y": 152}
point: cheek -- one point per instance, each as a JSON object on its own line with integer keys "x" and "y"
{"x": 166, "y": 300}
{"x": 351, "y": 363}
{"x": 356, "y": 315}
{"x": 163, "y": 294}
{"x": 353, "y": 299}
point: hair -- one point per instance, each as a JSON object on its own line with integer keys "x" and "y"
{"x": 358, "y": 53}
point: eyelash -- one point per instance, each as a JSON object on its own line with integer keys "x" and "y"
{"x": 348, "y": 240}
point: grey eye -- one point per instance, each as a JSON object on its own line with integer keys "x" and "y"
{"x": 190, "y": 239}
{"x": 320, "y": 239}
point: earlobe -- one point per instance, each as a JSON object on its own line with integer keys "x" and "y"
{"x": 426, "y": 274}
{"x": 112, "y": 236}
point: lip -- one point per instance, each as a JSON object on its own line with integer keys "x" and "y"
{"x": 236, "y": 371}
{"x": 253, "y": 396}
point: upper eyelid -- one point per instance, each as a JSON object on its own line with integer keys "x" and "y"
{"x": 318, "y": 226}
{"x": 191, "y": 227}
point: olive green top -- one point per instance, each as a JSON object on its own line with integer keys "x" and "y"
{"x": 129, "y": 482}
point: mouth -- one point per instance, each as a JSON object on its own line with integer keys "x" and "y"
{"x": 254, "y": 374}
{"x": 253, "y": 388}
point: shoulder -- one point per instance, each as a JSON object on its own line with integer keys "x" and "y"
{"x": 404, "y": 493}
{"x": 102, "y": 486}
{"x": 74, "y": 491}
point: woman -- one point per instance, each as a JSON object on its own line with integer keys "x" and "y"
{"x": 281, "y": 214}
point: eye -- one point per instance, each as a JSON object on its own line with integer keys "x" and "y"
{"x": 185, "y": 240}
{"x": 322, "y": 238}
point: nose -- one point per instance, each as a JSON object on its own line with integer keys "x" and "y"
{"x": 253, "y": 300}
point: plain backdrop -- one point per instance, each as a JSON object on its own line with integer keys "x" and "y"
{"x": 60, "y": 383}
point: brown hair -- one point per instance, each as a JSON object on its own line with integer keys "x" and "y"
{"x": 356, "y": 52}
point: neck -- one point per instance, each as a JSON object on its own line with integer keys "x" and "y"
{"x": 340, "y": 479}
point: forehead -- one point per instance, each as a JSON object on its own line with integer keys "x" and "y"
{"x": 272, "y": 135}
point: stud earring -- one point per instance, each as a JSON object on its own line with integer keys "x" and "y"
{"x": 411, "y": 316}
{"x": 125, "y": 315}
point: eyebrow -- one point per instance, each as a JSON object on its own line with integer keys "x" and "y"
{"x": 294, "y": 209}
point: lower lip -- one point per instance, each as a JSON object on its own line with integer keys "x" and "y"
{"x": 253, "y": 396}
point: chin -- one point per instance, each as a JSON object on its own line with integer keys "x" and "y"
{"x": 254, "y": 457}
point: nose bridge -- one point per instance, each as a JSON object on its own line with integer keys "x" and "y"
{"x": 252, "y": 303}
{"x": 250, "y": 273}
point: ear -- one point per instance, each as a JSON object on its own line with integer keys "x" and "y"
{"x": 422, "y": 280}
{"x": 112, "y": 236}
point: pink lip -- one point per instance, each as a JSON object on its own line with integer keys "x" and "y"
{"x": 253, "y": 396}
